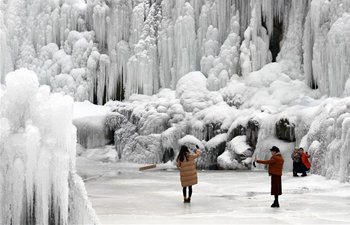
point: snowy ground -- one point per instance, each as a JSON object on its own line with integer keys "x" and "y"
{"x": 121, "y": 194}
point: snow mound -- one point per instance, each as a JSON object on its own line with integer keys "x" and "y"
{"x": 191, "y": 140}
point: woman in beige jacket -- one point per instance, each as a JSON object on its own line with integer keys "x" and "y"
{"x": 188, "y": 172}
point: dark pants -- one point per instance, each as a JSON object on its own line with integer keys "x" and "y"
{"x": 189, "y": 191}
{"x": 276, "y": 185}
{"x": 299, "y": 167}
{"x": 296, "y": 167}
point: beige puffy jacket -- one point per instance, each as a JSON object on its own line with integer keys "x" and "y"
{"x": 188, "y": 171}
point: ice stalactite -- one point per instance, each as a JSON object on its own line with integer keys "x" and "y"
{"x": 166, "y": 46}
{"x": 244, "y": 9}
{"x": 339, "y": 55}
{"x": 142, "y": 68}
{"x": 255, "y": 48}
{"x": 102, "y": 78}
{"x": 184, "y": 37}
{"x": 117, "y": 71}
{"x": 100, "y": 12}
{"x": 325, "y": 38}
{"x": 6, "y": 63}
{"x": 207, "y": 18}
{"x": 227, "y": 62}
{"x": 210, "y": 49}
{"x": 14, "y": 18}
{"x": 37, "y": 169}
{"x": 224, "y": 17}
{"x": 137, "y": 19}
{"x": 119, "y": 31}
{"x": 291, "y": 54}
{"x": 197, "y": 7}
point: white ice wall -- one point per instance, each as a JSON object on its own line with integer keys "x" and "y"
{"x": 38, "y": 181}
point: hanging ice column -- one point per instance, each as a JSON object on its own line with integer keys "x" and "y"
{"x": 176, "y": 43}
{"x": 142, "y": 68}
{"x": 326, "y": 46}
{"x": 291, "y": 54}
{"x": 6, "y": 64}
{"x": 227, "y": 63}
{"x": 255, "y": 52}
{"x": 38, "y": 181}
{"x": 255, "y": 47}
{"x": 339, "y": 55}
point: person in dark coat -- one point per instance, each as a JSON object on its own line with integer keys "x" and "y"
{"x": 296, "y": 162}
{"x": 275, "y": 171}
{"x": 188, "y": 173}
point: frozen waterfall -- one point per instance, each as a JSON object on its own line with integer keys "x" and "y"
{"x": 109, "y": 50}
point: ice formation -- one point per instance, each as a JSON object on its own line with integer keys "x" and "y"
{"x": 267, "y": 71}
{"x": 38, "y": 180}
{"x": 109, "y": 50}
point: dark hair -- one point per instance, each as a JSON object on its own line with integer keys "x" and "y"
{"x": 183, "y": 153}
{"x": 275, "y": 149}
{"x": 301, "y": 148}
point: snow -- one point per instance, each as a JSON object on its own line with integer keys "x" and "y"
{"x": 238, "y": 144}
{"x": 219, "y": 197}
{"x": 86, "y": 109}
{"x": 189, "y": 139}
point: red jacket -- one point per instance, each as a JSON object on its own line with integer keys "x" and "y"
{"x": 305, "y": 160}
{"x": 275, "y": 164}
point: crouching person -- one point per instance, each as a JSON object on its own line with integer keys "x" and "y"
{"x": 275, "y": 171}
{"x": 188, "y": 172}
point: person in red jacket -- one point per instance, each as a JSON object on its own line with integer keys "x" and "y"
{"x": 275, "y": 171}
{"x": 305, "y": 164}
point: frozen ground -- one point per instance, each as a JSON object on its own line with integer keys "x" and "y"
{"x": 121, "y": 194}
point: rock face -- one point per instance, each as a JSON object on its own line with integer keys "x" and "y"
{"x": 214, "y": 147}
{"x": 212, "y": 129}
{"x": 238, "y": 131}
{"x": 285, "y": 130}
{"x": 168, "y": 154}
{"x": 123, "y": 136}
{"x": 92, "y": 132}
{"x": 252, "y": 133}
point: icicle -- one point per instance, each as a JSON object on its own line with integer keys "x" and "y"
{"x": 6, "y": 64}
{"x": 102, "y": 80}
{"x": 37, "y": 154}
{"x": 185, "y": 46}
{"x": 338, "y": 55}
{"x": 291, "y": 54}
{"x": 100, "y": 13}
{"x": 145, "y": 60}
{"x": 136, "y": 25}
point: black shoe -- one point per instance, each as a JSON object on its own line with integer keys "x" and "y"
{"x": 295, "y": 175}
{"x": 188, "y": 200}
{"x": 275, "y": 205}
{"x": 304, "y": 175}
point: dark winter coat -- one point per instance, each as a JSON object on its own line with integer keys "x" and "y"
{"x": 188, "y": 171}
{"x": 275, "y": 164}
